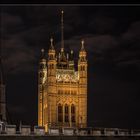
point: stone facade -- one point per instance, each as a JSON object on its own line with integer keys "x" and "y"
{"x": 62, "y": 90}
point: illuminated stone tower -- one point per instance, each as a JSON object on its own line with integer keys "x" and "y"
{"x": 2, "y": 95}
{"x": 82, "y": 71}
{"x": 42, "y": 79}
{"x": 62, "y": 90}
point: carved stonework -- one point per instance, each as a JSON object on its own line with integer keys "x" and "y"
{"x": 62, "y": 90}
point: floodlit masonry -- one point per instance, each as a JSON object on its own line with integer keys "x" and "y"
{"x": 62, "y": 88}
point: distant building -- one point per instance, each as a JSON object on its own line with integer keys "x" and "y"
{"x": 2, "y": 94}
{"x": 62, "y": 90}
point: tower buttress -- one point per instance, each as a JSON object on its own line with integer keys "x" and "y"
{"x": 82, "y": 71}
{"x": 51, "y": 85}
{"x": 42, "y": 77}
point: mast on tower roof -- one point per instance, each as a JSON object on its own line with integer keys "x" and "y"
{"x": 62, "y": 31}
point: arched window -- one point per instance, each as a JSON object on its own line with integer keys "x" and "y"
{"x": 51, "y": 57}
{"x": 83, "y": 68}
{"x": 60, "y": 113}
{"x": 72, "y": 109}
{"x": 66, "y": 113}
{"x": 49, "y": 66}
{"x": 73, "y": 113}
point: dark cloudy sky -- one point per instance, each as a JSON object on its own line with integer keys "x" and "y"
{"x": 112, "y": 41}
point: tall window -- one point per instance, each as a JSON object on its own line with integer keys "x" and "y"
{"x": 66, "y": 113}
{"x": 60, "y": 113}
{"x": 73, "y": 113}
{"x": 52, "y": 66}
{"x": 50, "y": 57}
{"x": 82, "y": 68}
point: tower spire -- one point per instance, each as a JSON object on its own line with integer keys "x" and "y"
{"x": 42, "y": 53}
{"x": 82, "y": 45}
{"x": 51, "y": 41}
{"x": 62, "y": 31}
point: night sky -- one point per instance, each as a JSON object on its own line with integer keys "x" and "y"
{"x": 112, "y": 42}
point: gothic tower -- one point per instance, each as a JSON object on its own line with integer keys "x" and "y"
{"x": 62, "y": 90}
